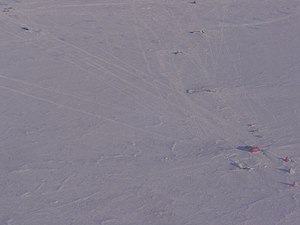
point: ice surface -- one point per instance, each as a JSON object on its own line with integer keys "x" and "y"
{"x": 127, "y": 112}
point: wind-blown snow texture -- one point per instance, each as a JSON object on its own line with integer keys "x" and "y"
{"x": 123, "y": 112}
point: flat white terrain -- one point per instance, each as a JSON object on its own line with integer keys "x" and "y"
{"x": 127, "y": 112}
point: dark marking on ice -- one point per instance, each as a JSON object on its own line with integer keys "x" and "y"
{"x": 245, "y": 148}
{"x": 193, "y": 2}
{"x": 283, "y": 170}
{"x": 7, "y": 9}
{"x": 239, "y": 166}
{"x": 258, "y": 136}
{"x": 177, "y": 52}
{"x": 197, "y": 31}
{"x": 191, "y": 91}
{"x": 283, "y": 12}
{"x": 61, "y": 38}
{"x": 208, "y": 90}
{"x": 24, "y": 28}
{"x": 288, "y": 184}
{"x": 253, "y": 130}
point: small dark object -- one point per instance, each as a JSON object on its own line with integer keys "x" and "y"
{"x": 241, "y": 166}
{"x": 208, "y": 90}
{"x": 258, "y": 136}
{"x": 286, "y": 159}
{"x": 177, "y": 52}
{"x": 246, "y": 148}
{"x": 196, "y": 31}
{"x": 25, "y": 28}
{"x": 191, "y": 91}
{"x": 253, "y": 130}
{"x": 193, "y": 2}
{"x": 7, "y": 9}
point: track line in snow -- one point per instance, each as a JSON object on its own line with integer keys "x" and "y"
{"x": 280, "y": 19}
{"x": 59, "y": 92}
{"x": 89, "y": 113}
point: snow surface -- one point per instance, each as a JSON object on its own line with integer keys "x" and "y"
{"x": 127, "y": 112}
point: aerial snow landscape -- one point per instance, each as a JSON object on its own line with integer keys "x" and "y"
{"x": 149, "y": 112}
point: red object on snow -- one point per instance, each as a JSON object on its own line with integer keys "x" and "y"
{"x": 254, "y": 149}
